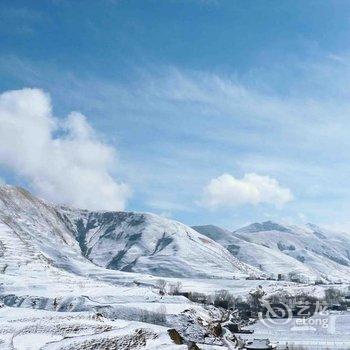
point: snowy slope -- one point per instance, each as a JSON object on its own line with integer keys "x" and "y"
{"x": 309, "y": 252}
{"x": 25, "y": 329}
{"x": 115, "y": 240}
{"x": 147, "y": 243}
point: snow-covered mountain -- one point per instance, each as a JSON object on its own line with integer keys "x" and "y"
{"x": 125, "y": 241}
{"x": 308, "y": 253}
{"x": 72, "y": 239}
{"x": 66, "y": 301}
{"x": 81, "y": 279}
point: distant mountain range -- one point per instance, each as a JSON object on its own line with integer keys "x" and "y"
{"x": 307, "y": 253}
{"x": 79, "y": 241}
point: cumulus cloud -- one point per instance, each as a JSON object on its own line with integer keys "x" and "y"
{"x": 227, "y": 191}
{"x": 63, "y": 160}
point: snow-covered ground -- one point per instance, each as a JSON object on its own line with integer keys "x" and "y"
{"x": 26, "y": 329}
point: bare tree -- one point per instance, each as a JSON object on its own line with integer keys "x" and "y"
{"x": 175, "y": 289}
{"x": 161, "y": 285}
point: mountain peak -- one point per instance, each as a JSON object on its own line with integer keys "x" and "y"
{"x": 263, "y": 226}
{"x": 214, "y": 232}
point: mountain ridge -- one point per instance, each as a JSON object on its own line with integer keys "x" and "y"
{"x": 147, "y": 243}
{"x": 309, "y": 252}
{"x": 126, "y": 241}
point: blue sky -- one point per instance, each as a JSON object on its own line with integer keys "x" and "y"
{"x": 184, "y": 92}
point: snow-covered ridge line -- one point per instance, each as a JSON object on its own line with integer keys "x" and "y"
{"x": 307, "y": 254}
{"x": 125, "y": 241}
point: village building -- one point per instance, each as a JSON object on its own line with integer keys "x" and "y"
{"x": 259, "y": 344}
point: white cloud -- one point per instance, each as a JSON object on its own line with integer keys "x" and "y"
{"x": 64, "y": 161}
{"x": 227, "y": 191}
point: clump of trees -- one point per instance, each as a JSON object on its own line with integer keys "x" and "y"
{"x": 198, "y": 297}
{"x": 223, "y": 298}
{"x": 157, "y": 317}
{"x": 170, "y": 288}
{"x": 292, "y": 300}
{"x": 333, "y": 296}
{"x": 175, "y": 289}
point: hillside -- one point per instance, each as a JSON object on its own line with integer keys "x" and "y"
{"x": 307, "y": 253}
{"x": 126, "y": 241}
